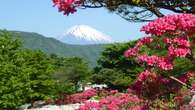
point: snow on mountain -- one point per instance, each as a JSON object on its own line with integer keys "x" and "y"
{"x": 84, "y": 34}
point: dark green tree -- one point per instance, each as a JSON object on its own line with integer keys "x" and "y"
{"x": 24, "y": 74}
{"x": 12, "y": 87}
{"x": 38, "y": 66}
{"x": 113, "y": 78}
{"x": 74, "y": 71}
{"x": 112, "y": 60}
{"x": 113, "y": 57}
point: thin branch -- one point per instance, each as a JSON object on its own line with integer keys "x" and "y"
{"x": 177, "y": 80}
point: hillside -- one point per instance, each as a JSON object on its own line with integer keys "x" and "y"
{"x": 36, "y": 41}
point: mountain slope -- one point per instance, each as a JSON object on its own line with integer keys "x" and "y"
{"x": 50, "y": 45}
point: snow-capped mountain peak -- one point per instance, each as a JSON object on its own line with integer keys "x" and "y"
{"x": 84, "y": 34}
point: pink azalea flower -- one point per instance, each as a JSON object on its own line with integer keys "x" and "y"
{"x": 193, "y": 87}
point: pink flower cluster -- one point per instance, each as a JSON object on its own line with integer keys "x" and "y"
{"x": 152, "y": 85}
{"x": 131, "y": 52}
{"x": 178, "y": 28}
{"x": 192, "y": 105}
{"x": 161, "y": 62}
{"x": 175, "y": 32}
{"x": 191, "y": 32}
{"x": 144, "y": 41}
{"x": 182, "y": 41}
{"x": 182, "y": 104}
{"x": 191, "y": 74}
{"x": 179, "y": 41}
{"x": 178, "y": 47}
{"x": 193, "y": 87}
{"x": 67, "y": 6}
{"x": 171, "y": 23}
{"x": 134, "y": 51}
{"x": 167, "y": 40}
{"x": 78, "y": 97}
{"x": 184, "y": 78}
{"x": 178, "y": 52}
{"x": 112, "y": 102}
{"x": 114, "y": 91}
{"x": 144, "y": 75}
{"x": 179, "y": 98}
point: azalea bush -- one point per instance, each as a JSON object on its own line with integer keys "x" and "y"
{"x": 173, "y": 36}
{"x": 167, "y": 54}
{"x": 76, "y": 98}
{"x": 165, "y": 72}
{"x": 114, "y": 102}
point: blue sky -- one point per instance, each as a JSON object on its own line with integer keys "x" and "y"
{"x": 41, "y": 17}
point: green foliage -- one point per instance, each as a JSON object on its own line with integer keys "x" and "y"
{"x": 182, "y": 65}
{"x": 39, "y": 67}
{"x": 24, "y": 74}
{"x": 113, "y": 57}
{"x": 114, "y": 79}
{"x": 193, "y": 45}
{"x": 11, "y": 75}
{"x": 136, "y": 1}
{"x": 71, "y": 71}
{"x": 164, "y": 103}
{"x": 114, "y": 69}
{"x": 96, "y": 98}
{"x": 65, "y": 87}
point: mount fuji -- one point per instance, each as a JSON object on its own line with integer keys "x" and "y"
{"x": 83, "y": 35}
